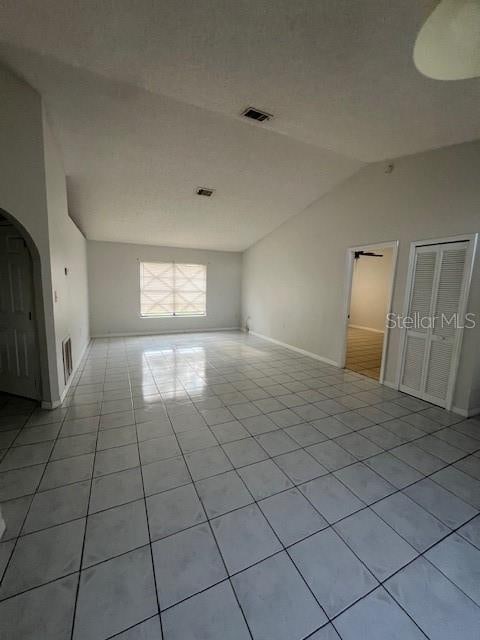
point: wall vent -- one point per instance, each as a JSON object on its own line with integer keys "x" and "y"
{"x": 205, "y": 191}
{"x": 67, "y": 359}
{"x": 257, "y": 114}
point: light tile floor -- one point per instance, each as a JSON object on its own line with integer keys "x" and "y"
{"x": 217, "y": 487}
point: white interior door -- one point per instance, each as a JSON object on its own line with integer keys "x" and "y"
{"x": 18, "y": 345}
{"x": 438, "y": 291}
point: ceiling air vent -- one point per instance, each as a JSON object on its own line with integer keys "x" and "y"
{"x": 205, "y": 191}
{"x": 256, "y": 114}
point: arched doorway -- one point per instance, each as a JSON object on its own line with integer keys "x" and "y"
{"x": 20, "y": 306}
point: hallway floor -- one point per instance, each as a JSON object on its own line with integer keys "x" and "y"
{"x": 219, "y": 487}
{"x": 364, "y": 352}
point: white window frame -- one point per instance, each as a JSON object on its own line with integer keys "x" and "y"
{"x": 170, "y": 315}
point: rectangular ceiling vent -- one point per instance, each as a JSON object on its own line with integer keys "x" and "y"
{"x": 205, "y": 191}
{"x": 257, "y": 114}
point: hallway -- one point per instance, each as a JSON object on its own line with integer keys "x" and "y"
{"x": 215, "y": 486}
{"x": 364, "y": 352}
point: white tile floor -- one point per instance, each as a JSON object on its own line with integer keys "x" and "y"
{"x": 216, "y": 487}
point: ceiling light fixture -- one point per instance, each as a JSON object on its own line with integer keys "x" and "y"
{"x": 448, "y": 45}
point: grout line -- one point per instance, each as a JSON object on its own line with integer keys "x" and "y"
{"x": 74, "y": 612}
{"x": 39, "y": 482}
{"x": 236, "y": 573}
{"x": 192, "y": 399}
{"x": 148, "y": 531}
{"x": 16, "y": 539}
{"x": 134, "y": 626}
{"x": 284, "y": 548}
{"x": 211, "y": 532}
{"x": 298, "y": 448}
{"x": 295, "y": 486}
{"x": 328, "y": 472}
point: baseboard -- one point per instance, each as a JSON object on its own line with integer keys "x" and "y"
{"x": 359, "y": 326}
{"x": 390, "y": 385}
{"x": 466, "y": 413}
{"x": 57, "y": 403}
{"x": 50, "y": 405}
{"x": 461, "y": 412}
{"x": 161, "y": 333}
{"x": 315, "y": 356}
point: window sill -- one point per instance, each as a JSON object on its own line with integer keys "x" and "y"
{"x": 203, "y": 315}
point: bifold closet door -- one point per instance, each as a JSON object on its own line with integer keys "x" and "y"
{"x": 437, "y": 293}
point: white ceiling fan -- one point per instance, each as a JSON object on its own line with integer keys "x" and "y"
{"x": 448, "y": 45}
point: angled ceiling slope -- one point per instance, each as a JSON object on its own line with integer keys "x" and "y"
{"x": 145, "y": 101}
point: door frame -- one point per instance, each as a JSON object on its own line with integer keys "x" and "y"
{"x": 472, "y": 239}
{"x": 350, "y": 260}
{"x": 30, "y": 275}
{"x": 37, "y": 365}
{"x": 38, "y": 310}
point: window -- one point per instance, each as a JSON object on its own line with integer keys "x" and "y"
{"x": 171, "y": 289}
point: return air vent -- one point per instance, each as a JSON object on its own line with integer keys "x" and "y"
{"x": 205, "y": 191}
{"x": 257, "y": 114}
{"x": 67, "y": 359}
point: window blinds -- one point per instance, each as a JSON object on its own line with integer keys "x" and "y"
{"x": 173, "y": 289}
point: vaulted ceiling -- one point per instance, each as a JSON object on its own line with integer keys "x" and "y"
{"x": 145, "y": 101}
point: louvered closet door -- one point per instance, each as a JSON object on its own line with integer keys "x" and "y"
{"x": 435, "y": 301}
{"x": 421, "y": 303}
{"x": 451, "y": 263}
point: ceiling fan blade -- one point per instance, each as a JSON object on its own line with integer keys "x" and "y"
{"x": 357, "y": 254}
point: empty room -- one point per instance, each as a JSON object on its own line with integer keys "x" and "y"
{"x": 239, "y": 320}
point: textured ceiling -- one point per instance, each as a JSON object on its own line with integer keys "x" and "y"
{"x": 145, "y": 98}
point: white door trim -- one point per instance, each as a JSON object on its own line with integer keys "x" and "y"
{"x": 472, "y": 239}
{"x": 391, "y": 244}
{"x": 18, "y": 321}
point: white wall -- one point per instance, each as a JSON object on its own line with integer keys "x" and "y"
{"x": 475, "y": 390}
{"x": 22, "y": 196}
{"x": 113, "y": 273}
{"x": 370, "y": 290}
{"x": 294, "y": 278}
{"x": 68, "y": 250}
{"x": 32, "y": 193}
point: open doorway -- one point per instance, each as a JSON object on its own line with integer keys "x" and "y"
{"x": 370, "y": 277}
{"x": 19, "y": 356}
